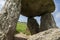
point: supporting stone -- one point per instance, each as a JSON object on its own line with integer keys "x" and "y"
{"x": 47, "y": 22}
{"x": 33, "y": 26}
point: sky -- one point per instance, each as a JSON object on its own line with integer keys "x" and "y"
{"x": 56, "y": 13}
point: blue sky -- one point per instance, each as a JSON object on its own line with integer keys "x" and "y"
{"x": 56, "y": 13}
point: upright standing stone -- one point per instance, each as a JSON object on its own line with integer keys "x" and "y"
{"x": 33, "y": 26}
{"x": 8, "y": 19}
{"x": 47, "y": 22}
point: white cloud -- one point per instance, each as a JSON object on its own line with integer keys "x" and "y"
{"x": 2, "y": 2}
{"x": 57, "y": 15}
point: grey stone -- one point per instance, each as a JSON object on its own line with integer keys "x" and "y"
{"x": 33, "y": 26}
{"x": 50, "y": 34}
{"x": 20, "y": 36}
{"x": 32, "y": 8}
{"x": 8, "y": 19}
{"x": 47, "y": 22}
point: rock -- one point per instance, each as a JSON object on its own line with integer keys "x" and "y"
{"x": 20, "y": 36}
{"x": 8, "y": 19}
{"x": 50, "y": 34}
{"x": 33, "y": 26}
{"x": 47, "y": 22}
{"x": 32, "y": 8}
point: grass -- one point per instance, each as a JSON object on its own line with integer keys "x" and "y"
{"x": 21, "y": 27}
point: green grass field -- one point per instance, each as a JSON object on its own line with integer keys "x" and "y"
{"x": 21, "y": 27}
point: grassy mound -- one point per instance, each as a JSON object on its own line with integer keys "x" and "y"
{"x": 22, "y": 27}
